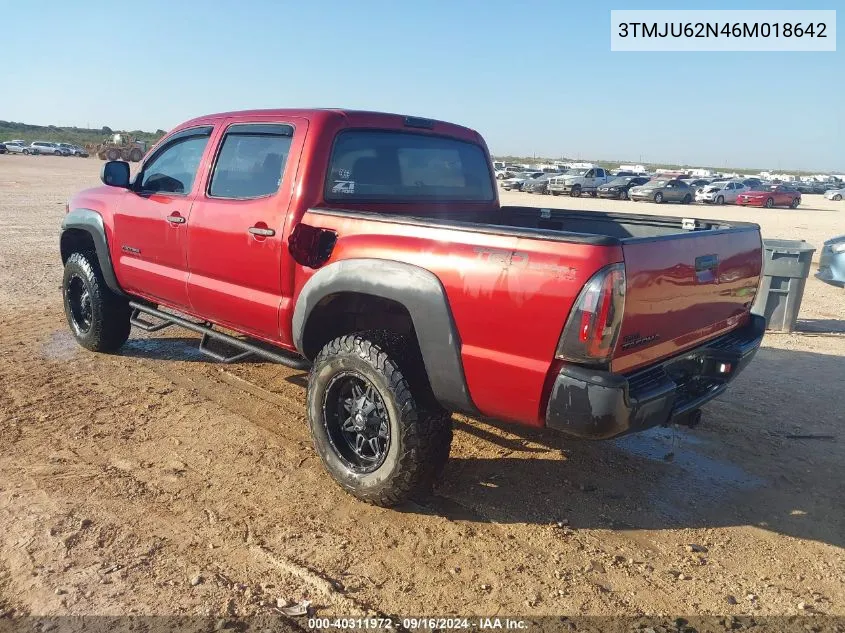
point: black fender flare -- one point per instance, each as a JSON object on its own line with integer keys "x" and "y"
{"x": 92, "y": 223}
{"x": 422, "y": 294}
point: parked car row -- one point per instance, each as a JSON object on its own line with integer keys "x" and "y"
{"x": 42, "y": 147}
{"x": 599, "y": 182}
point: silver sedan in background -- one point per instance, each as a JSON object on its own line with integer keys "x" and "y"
{"x": 832, "y": 262}
{"x": 663, "y": 190}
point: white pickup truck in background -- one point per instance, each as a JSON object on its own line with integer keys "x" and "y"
{"x": 578, "y": 181}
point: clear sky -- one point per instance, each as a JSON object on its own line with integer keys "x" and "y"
{"x": 532, "y": 77}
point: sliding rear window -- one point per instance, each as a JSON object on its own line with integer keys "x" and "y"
{"x": 404, "y": 166}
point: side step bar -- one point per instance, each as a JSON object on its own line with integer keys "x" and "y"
{"x": 246, "y": 348}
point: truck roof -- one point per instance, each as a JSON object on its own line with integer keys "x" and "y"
{"x": 354, "y": 118}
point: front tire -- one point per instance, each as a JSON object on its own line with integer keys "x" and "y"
{"x": 837, "y": 197}
{"x": 576, "y": 191}
{"x": 770, "y": 203}
{"x": 98, "y": 318}
{"x": 658, "y": 197}
{"x": 795, "y": 203}
{"x": 382, "y": 439}
{"x": 687, "y": 199}
{"x": 720, "y": 200}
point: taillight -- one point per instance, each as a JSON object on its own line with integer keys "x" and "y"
{"x": 593, "y": 325}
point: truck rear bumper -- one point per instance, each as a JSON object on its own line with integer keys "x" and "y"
{"x": 594, "y": 404}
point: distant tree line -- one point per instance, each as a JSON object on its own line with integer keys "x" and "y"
{"x": 77, "y": 135}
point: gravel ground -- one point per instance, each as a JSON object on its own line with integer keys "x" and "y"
{"x": 154, "y": 482}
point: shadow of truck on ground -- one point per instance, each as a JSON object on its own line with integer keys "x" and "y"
{"x": 768, "y": 453}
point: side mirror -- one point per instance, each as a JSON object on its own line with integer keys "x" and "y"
{"x": 115, "y": 173}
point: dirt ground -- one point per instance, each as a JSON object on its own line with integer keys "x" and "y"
{"x": 156, "y": 482}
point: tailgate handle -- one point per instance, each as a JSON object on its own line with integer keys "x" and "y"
{"x": 705, "y": 268}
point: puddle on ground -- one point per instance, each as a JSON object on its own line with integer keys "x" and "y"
{"x": 691, "y": 479}
{"x": 656, "y": 443}
{"x": 60, "y": 346}
{"x": 184, "y": 349}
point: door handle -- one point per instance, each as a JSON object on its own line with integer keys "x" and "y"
{"x": 176, "y": 219}
{"x": 257, "y": 230}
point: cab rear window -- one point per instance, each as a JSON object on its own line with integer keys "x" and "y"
{"x": 405, "y": 166}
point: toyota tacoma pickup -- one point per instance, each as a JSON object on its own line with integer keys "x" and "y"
{"x": 372, "y": 250}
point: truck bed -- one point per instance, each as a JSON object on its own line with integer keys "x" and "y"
{"x": 688, "y": 280}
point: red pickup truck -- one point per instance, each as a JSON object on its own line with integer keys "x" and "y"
{"x": 372, "y": 248}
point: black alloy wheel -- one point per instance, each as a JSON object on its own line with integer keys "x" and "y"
{"x": 79, "y": 303}
{"x": 356, "y": 422}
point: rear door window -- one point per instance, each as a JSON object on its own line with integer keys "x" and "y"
{"x": 405, "y": 166}
{"x": 251, "y": 162}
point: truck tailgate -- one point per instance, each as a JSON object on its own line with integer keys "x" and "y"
{"x": 684, "y": 289}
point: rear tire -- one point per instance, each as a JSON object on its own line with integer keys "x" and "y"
{"x": 112, "y": 154}
{"x": 377, "y": 430}
{"x": 98, "y": 318}
{"x": 769, "y": 203}
{"x": 135, "y": 155}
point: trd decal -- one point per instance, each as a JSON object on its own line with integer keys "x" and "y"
{"x": 515, "y": 259}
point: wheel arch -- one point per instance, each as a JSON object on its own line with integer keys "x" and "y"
{"x": 84, "y": 230}
{"x": 358, "y": 294}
